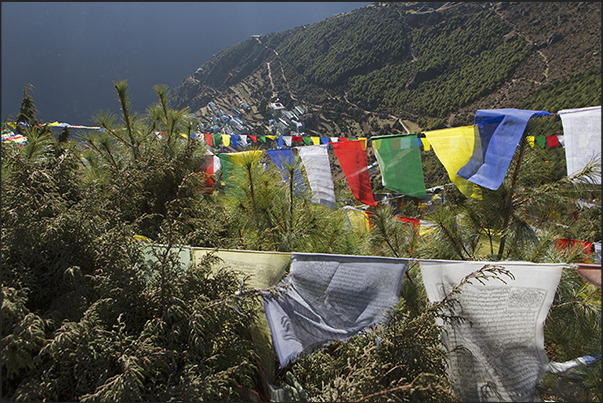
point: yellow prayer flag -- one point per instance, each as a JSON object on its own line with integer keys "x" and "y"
{"x": 244, "y": 158}
{"x": 315, "y": 140}
{"x": 454, "y": 147}
{"x": 264, "y": 269}
{"x": 226, "y": 140}
{"x": 425, "y": 143}
{"x": 272, "y": 137}
{"x": 359, "y": 220}
{"x": 530, "y": 140}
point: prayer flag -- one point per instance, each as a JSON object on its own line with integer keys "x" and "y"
{"x": 315, "y": 140}
{"x": 541, "y": 141}
{"x": 352, "y": 158}
{"x": 318, "y": 170}
{"x": 399, "y": 159}
{"x": 358, "y": 220}
{"x": 226, "y": 140}
{"x": 582, "y": 133}
{"x": 324, "y": 140}
{"x": 297, "y": 138}
{"x": 426, "y": 144}
{"x": 232, "y": 167}
{"x": 307, "y": 140}
{"x": 590, "y": 273}
{"x": 283, "y": 159}
{"x": 287, "y": 140}
{"x": 499, "y": 133}
{"x": 208, "y": 139}
{"x": 243, "y": 140}
{"x": 531, "y": 140}
{"x": 552, "y": 141}
{"x": 496, "y": 352}
{"x": 561, "y": 140}
{"x": 331, "y": 297}
{"x": 217, "y": 139}
{"x": 567, "y": 246}
{"x": 454, "y": 147}
{"x": 252, "y": 137}
{"x": 263, "y": 270}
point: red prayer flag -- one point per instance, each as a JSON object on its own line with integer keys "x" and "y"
{"x": 209, "y": 139}
{"x": 252, "y": 137}
{"x": 296, "y": 138}
{"x": 353, "y": 161}
{"x": 207, "y": 166}
{"x": 415, "y": 223}
{"x": 565, "y": 245}
{"x": 553, "y": 141}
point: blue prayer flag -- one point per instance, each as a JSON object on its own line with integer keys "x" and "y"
{"x": 499, "y": 133}
{"x": 282, "y": 159}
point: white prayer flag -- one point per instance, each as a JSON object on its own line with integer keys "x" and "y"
{"x": 243, "y": 139}
{"x": 318, "y": 169}
{"x": 287, "y": 140}
{"x": 331, "y": 297}
{"x": 582, "y": 132}
{"x": 498, "y": 354}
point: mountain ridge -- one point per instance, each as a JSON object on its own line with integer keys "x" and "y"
{"x": 374, "y": 61}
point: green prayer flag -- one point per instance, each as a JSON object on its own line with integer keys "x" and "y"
{"x": 262, "y": 139}
{"x": 399, "y": 159}
{"x": 217, "y": 139}
{"x": 307, "y": 140}
{"x": 541, "y": 140}
{"x": 229, "y": 172}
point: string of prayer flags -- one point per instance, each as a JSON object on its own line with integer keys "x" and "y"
{"x": 318, "y": 171}
{"x": 353, "y": 160}
{"x": 284, "y": 160}
{"x": 399, "y": 159}
{"x": 331, "y": 297}
{"x": 582, "y": 132}
{"x": 499, "y": 133}
{"x": 454, "y": 147}
{"x": 496, "y": 351}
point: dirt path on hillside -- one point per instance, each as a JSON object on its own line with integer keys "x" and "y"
{"x": 524, "y": 36}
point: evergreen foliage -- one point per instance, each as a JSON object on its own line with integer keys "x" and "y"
{"x": 89, "y": 314}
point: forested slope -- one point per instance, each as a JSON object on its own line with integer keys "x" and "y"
{"x": 432, "y": 63}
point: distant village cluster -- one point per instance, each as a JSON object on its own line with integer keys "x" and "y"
{"x": 285, "y": 122}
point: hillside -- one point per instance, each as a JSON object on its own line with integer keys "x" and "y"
{"x": 385, "y": 66}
